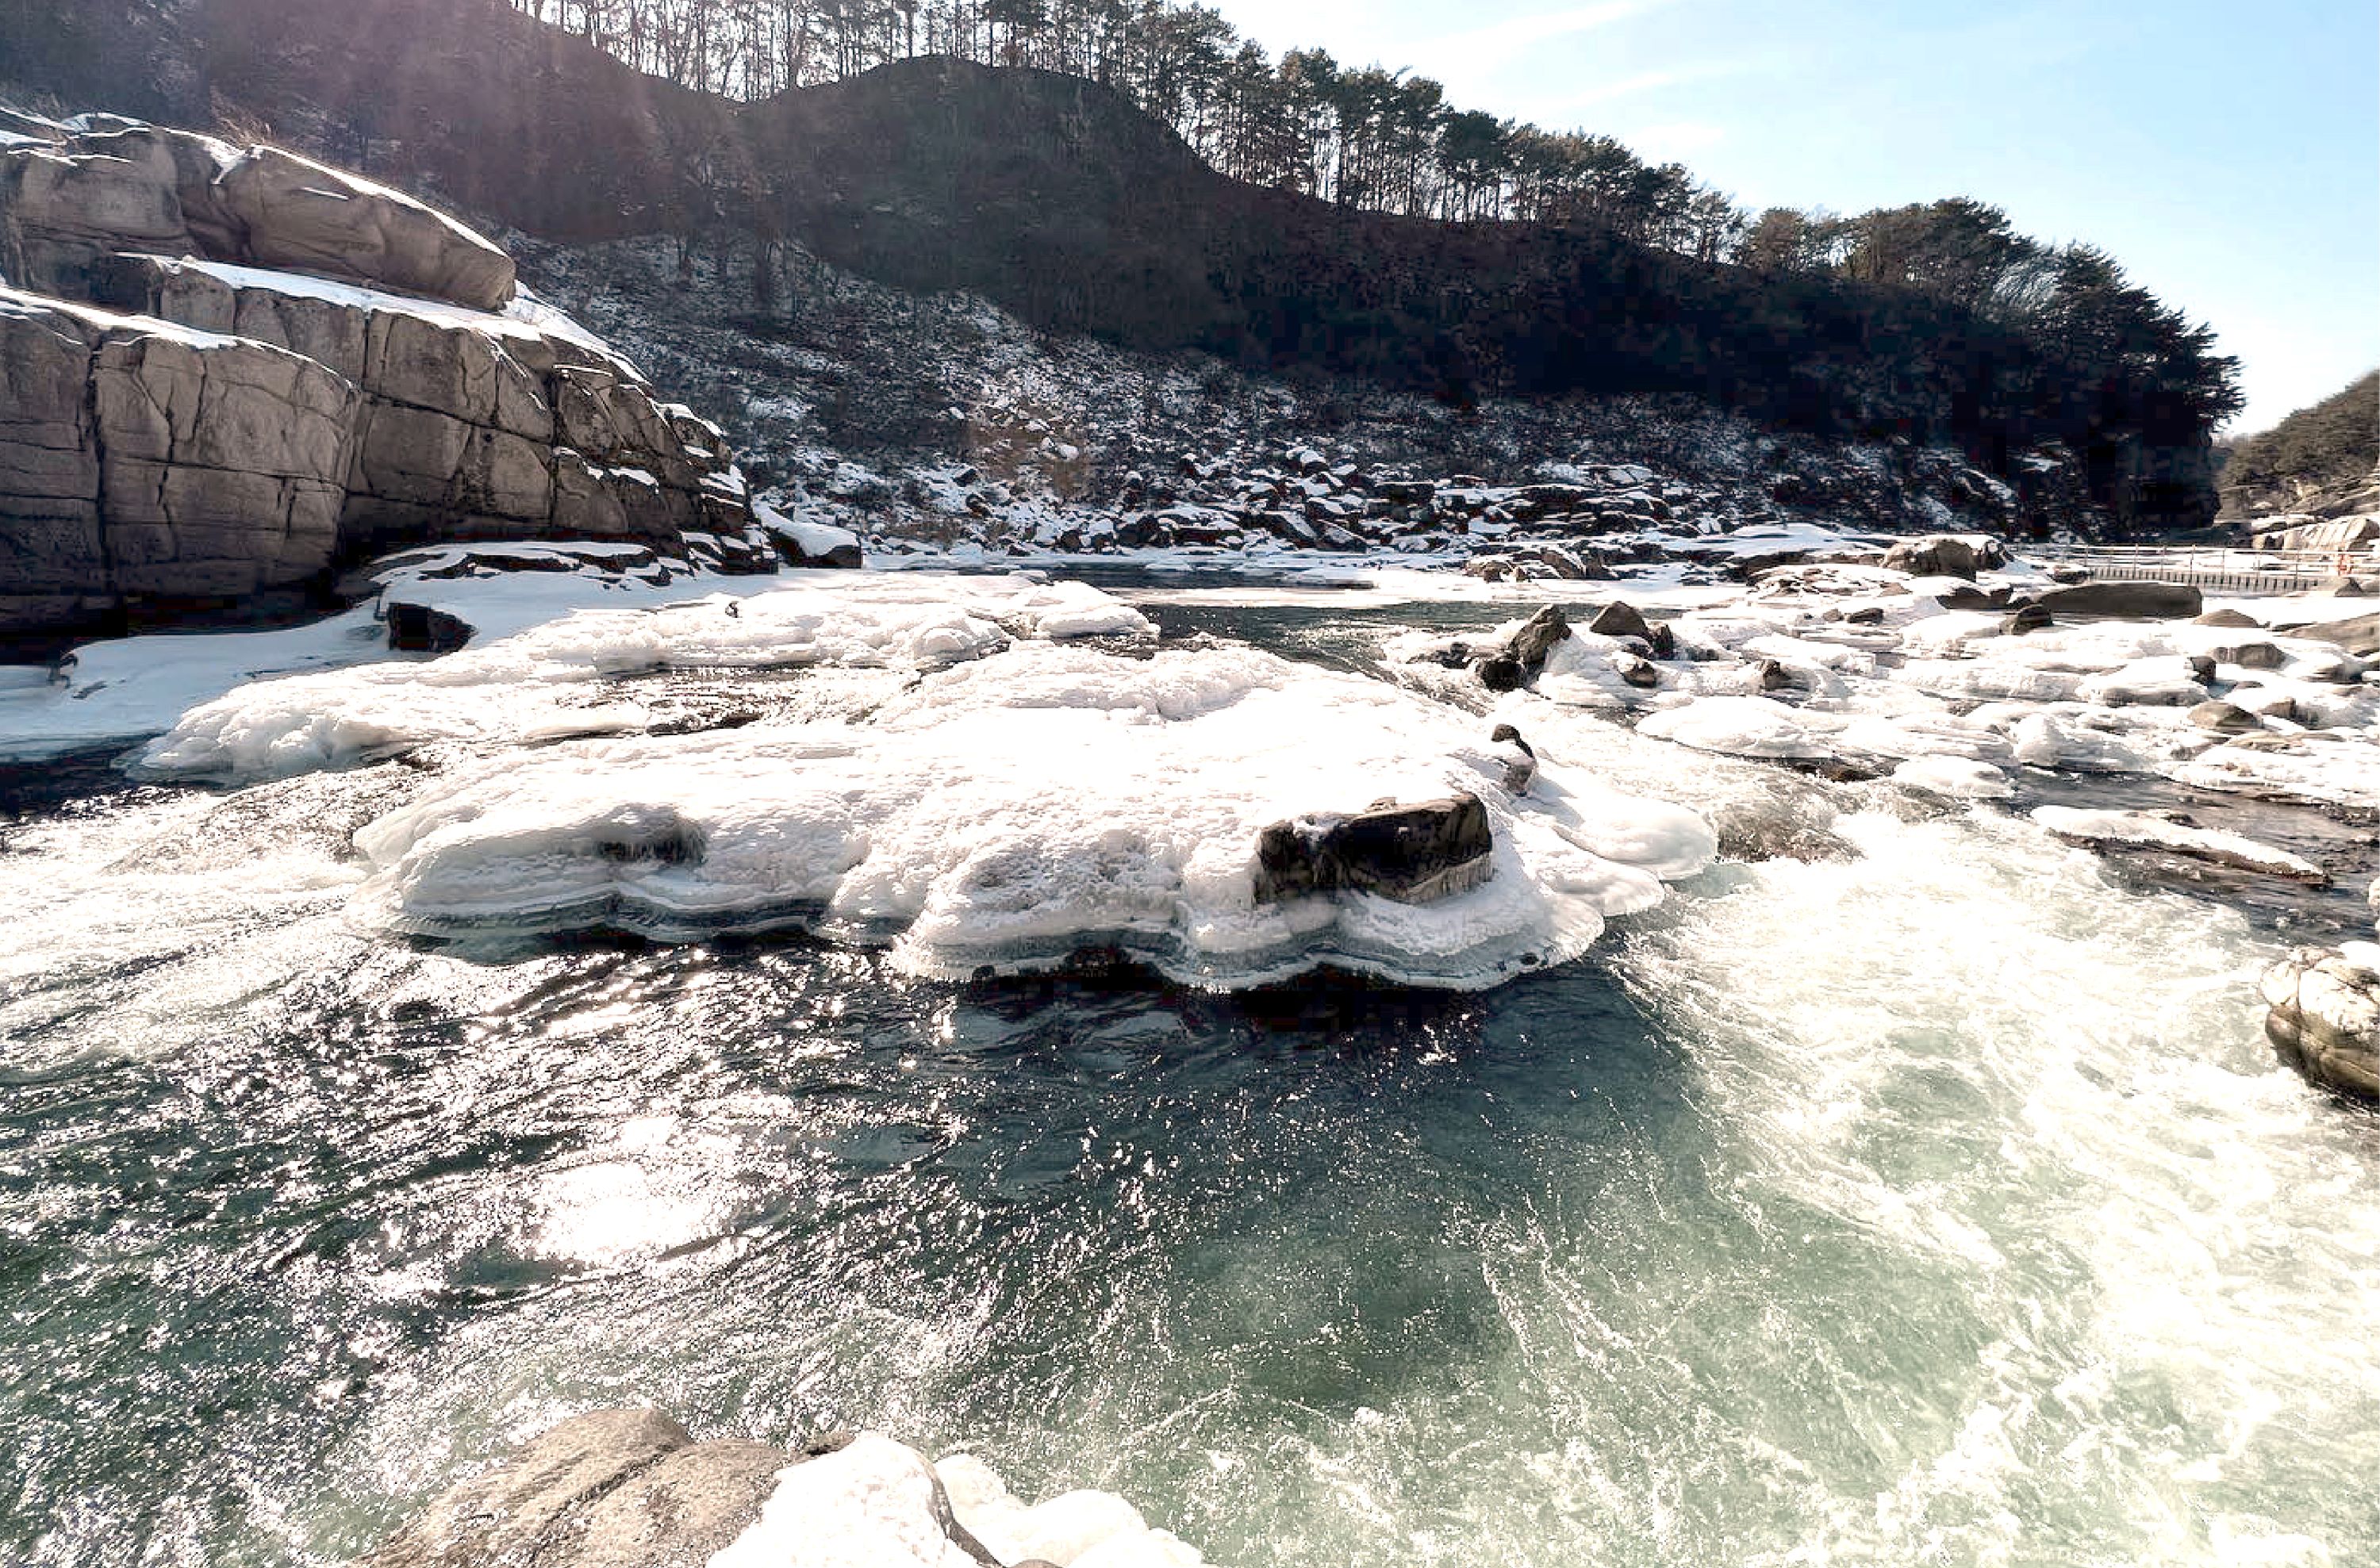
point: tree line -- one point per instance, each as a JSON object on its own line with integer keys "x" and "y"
{"x": 1390, "y": 141}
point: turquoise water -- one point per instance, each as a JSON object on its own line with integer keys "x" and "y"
{"x": 1937, "y": 1206}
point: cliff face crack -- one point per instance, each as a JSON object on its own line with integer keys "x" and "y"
{"x": 102, "y": 511}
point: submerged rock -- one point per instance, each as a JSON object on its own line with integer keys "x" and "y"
{"x": 2324, "y": 1017}
{"x": 1413, "y": 854}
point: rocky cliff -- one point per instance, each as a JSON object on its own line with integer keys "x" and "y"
{"x": 225, "y": 372}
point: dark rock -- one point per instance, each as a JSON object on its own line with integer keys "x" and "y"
{"x": 1520, "y": 770}
{"x": 419, "y": 628}
{"x": 1501, "y": 673}
{"x": 1413, "y": 854}
{"x": 2028, "y": 618}
{"x": 1974, "y": 598}
{"x": 1641, "y": 674}
{"x": 2129, "y": 601}
{"x": 2341, "y": 589}
{"x": 2228, "y": 617}
{"x": 2325, "y": 1019}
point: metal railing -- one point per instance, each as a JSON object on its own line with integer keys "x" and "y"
{"x": 2213, "y": 566}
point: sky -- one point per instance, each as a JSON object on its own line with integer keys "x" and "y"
{"x": 2225, "y": 151}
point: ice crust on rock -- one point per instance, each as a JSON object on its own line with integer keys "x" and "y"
{"x": 555, "y": 679}
{"x": 1011, "y": 813}
{"x": 2140, "y": 830}
{"x": 1739, "y": 726}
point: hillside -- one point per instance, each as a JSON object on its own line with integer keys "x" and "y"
{"x": 1063, "y": 203}
{"x": 2319, "y": 459}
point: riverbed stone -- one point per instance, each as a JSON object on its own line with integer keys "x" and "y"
{"x": 2360, "y": 636}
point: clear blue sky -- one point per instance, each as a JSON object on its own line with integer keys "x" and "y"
{"x": 2226, "y": 151}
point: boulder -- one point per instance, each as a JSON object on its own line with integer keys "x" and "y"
{"x": 1537, "y": 637}
{"x": 295, "y": 213}
{"x": 507, "y": 1515}
{"x": 693, "y": 1503}
{"x": 210, "y": 430}
{"x": 2124, "y": 601}
{"x": 1413, "y": 854}
{"x": 1620, "y": 619}
{"x": 2325, "y": 1016}
{"x": 1941, "y": 556}
{"x": 2360, "y": 637}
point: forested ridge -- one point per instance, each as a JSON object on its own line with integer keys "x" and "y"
{"x": 1299, "y": 211}
{"x": 2333, "y": 445}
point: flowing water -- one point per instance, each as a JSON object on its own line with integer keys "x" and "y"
{"x": 1938, "y": 1205}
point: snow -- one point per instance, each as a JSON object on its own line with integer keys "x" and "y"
{"x": 123, "y": 689}
{"x": 1078, "y": 1529}
{"x": 871, "y": 1504}
{"x": 526, "y": 318}
{"x": 814, "y": 540}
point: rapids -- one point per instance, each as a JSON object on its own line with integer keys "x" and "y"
{"x": 1937, "y": 1205}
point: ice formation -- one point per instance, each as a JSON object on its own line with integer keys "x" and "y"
{"x": 1013, "y": 812}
